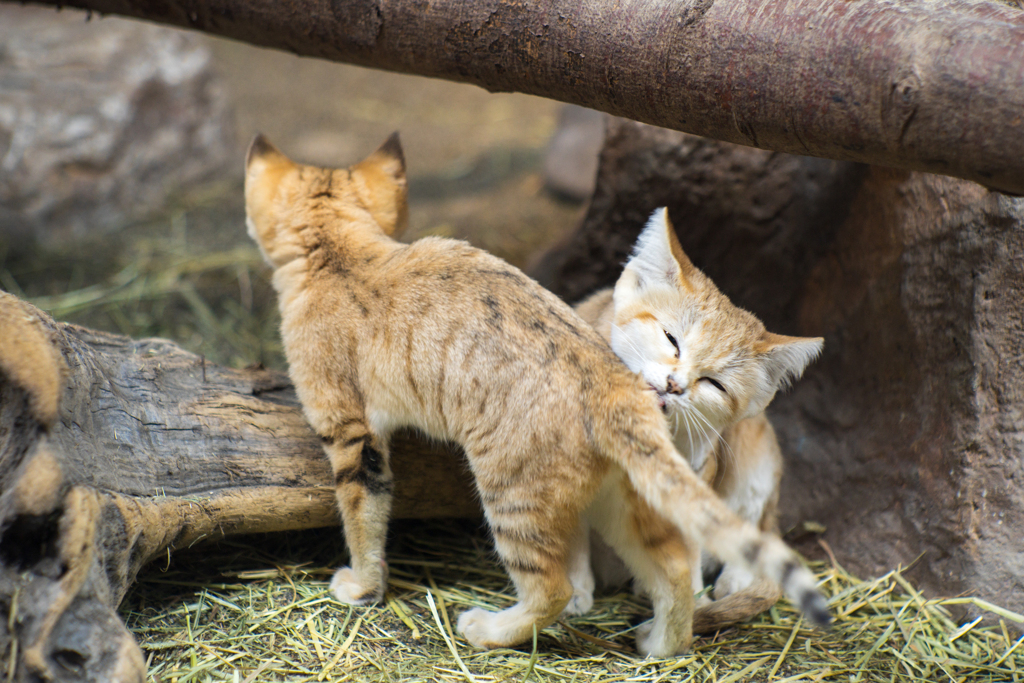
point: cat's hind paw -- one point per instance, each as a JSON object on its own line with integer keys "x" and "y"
{"x": 346, "y": 588}
{"x": 476, "y": 626}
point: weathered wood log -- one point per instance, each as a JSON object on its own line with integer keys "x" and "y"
{"x": 114, "y": 451}
{"x": 904, "y": 438}
{"x": 928, "y": 85}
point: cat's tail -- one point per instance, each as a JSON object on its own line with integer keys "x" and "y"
{"x": 740, "y": 606}
{"x": 665, "y": 480}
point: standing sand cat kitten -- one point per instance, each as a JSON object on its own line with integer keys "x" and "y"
{"x": 669, "y": 323}
{"x": 446, "y": 338}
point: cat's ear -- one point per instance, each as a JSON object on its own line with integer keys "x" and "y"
{"x": 658, "y": 258}
{"x": 265, "y": 167}
{"x": 785, "y": 358}
{"x": 383, "y": 187}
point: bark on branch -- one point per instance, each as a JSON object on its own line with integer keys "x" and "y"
{"x": 929, "y": 85}
{"x": 114, "y": 451}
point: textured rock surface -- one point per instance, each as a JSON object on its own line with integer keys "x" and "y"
{"x": 739, "y": 211}
{"x": 907, "y": 436}
{"x": 100, "y": 120}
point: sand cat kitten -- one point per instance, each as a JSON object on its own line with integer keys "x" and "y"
{"x": 670, "y": 324}
{"x": 446, "y": 338}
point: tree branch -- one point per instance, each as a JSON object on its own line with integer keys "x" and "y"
{"x": 929, "y": 85}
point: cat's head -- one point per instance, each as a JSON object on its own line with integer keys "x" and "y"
{"x": 704, "y": 356}
{"x": 288, "y": 205}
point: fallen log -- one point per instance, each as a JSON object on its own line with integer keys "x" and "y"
{"x": 114, "y": 451}
{"x": 927, "y": 85}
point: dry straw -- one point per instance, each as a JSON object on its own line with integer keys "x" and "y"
{"x": 280, "y": 623}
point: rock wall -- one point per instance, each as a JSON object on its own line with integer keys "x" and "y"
{"x": 905, "y": 438}
{"x": 100, "y": 120}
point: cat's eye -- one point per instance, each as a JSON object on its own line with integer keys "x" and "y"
{"x": 673, "y": 341}
{"x": 715, "y": 383}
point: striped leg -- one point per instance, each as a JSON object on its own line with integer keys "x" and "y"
{"x": 364, "y": 483}
{"x": 535, "y": 553}
{"x": 659, "y": 559}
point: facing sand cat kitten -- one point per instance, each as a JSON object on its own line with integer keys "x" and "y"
{"x": 446, "y": 338}
{"x": 669, "y": 323}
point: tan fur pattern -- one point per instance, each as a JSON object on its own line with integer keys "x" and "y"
{"x": 712, "y": 365}
{"x": 29, "y": 358}
{"x": 40, "y": 484}
{"x": 448, "y": 339}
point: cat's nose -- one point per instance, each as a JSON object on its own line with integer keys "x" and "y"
{"x": 672, "y": 387}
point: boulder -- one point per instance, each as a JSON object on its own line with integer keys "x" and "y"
{"x": 100, "y": 120}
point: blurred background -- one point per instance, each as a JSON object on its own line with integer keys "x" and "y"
{"x": 121, "y": 153}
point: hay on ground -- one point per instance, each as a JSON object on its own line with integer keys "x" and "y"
{"x": 254, "y": 615}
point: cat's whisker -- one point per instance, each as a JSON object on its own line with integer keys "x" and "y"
{"x": 705, "y": 439}
{"x": 623, "y": 337}
{"x": 692, "y": 415}
{"x": 727, "y": 452}
{"x": 703, "y": 418}
{"x": 689, "y": 432}
{"x": 632, "y": 344}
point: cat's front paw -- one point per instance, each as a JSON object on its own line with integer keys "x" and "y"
{"x": 647, "y": 645}
{"x": 346, "y": 588}
{"x": 579, "y": 603}
{"x": 658, "y": 642}
{"x": 476, "y": 626}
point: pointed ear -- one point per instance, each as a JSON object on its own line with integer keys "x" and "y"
{"x": 658, "y": 258}
{"x": 263, "y": 159}
{"x": 265, "y": 166}
{"x": 786, "y": 357}
{"x": 384, "y": 189}
{"x": 260, "y": 148}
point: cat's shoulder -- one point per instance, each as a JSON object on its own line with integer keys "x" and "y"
{"x": 598, "y": 311}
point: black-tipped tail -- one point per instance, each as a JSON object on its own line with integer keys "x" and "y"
{"x": 813, "y": 605}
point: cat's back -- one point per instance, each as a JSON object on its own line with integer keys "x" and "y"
{"x": 470, "y": 334}
{"x": 459, "y": 283}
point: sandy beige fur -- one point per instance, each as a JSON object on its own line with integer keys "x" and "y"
{"x": 680, "y": 317}
{"x": 448, "y": 339}
{"x": 29, "y": 358}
